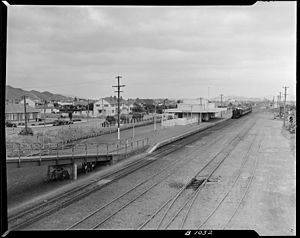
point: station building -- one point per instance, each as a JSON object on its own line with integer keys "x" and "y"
{"x": 196, "y": 110}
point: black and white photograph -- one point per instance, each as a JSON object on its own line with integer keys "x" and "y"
{"x": 148, "y": 117}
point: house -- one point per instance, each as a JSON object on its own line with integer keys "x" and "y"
{"x": 200, "y": 109}
{"x": 29, "y": 102}
{"x": 65, "y": 103}
{"x": 14, "y": 100}
{"x": 47, "y": 109}
{"x": 109, "y": 107}
{"x": 15, "y": 112}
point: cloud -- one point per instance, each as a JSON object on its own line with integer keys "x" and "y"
{"x": 229, "y": 48}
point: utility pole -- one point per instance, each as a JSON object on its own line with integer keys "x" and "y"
{"x": 45, "y": 113}
{"x": 221, "y": 100}
{"x": 133, "y": 128}
{"x": 208, "y": 94}
{"x": 280, "y": 104}
{"x": 25, "y": 113}
{"x": 221, "y": 104}
{"x": 280, "y": 96}
{"x": 102, "y": 107}
{"x": 44, "y": 123}
{"x": 118, "y": 91}
{"x": 164, "y": 112}
{"x": 88, "y": 110}
{"x": 284, "y": 107}
{"x": 155, "y": 116}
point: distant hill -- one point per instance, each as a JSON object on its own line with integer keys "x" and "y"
{"x": 237, "y": 98}
{"x": 18, "y": 93}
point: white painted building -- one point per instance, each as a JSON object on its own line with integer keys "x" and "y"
{"x": 199, "y": 108}
{"x": 47, "y": 109}
{"x": 65, "y": 103}
{"x": 103, "y": 108}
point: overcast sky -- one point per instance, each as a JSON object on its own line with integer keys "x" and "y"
{"x": 160, "y": 52}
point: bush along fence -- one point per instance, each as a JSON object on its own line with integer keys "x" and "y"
{"x": 72, "y": 135}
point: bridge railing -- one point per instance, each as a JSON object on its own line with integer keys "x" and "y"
{"x": 123, "y": 146}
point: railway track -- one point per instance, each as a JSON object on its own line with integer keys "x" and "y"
{"x": 229, "y": 190}
{"x": 175, "y": 165}
{"x": 33, "y": 214}
{"x": 245, "y": 193}
{"x": 130, "y": 200}
{"x": 176, "y": 196}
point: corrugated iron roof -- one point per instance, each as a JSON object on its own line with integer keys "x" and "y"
{"x": 18, "y": 108}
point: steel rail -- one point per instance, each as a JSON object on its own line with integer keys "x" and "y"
{"x": 176, "y": 195}
{"x": 83, "y": 193}
{"x": 245, "y": 159}
{"x": 247, "y": 189}
{"x": 166, "y": 212}
{"x": 146, "y": 180}
{"x": 71, "y": 194}
{"x": 195, "y": 195}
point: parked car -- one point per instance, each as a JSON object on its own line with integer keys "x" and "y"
{"x": 61, "y": 122}
{"x": 10, "y": 124}
{"x": 110, "y": 120}
{"x": 76, "y": 119}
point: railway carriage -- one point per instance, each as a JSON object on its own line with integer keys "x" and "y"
{"x": 241, "y": 111}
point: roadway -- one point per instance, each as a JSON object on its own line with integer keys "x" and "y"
{"x": 248, "y": 173}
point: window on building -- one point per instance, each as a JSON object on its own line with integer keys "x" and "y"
{"x": 97, "y": 105}
{"x": 100, "y": 111}
{"x": 105, "y": 105}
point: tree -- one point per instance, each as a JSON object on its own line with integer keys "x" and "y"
{"x": 90, "y": 106}
{"x": 137, "y": 108}
{"x": 70, "y": 115}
